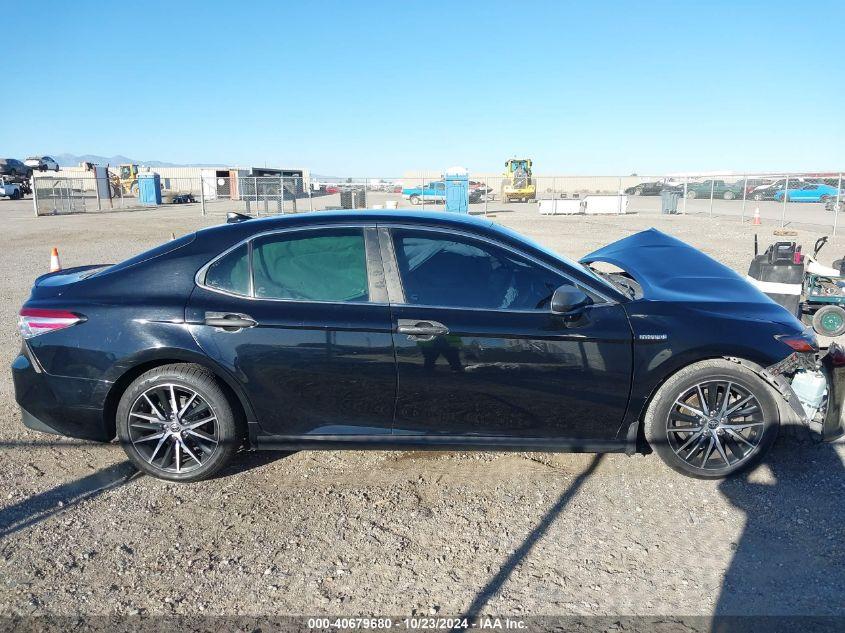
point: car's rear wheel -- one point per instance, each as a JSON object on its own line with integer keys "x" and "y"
{"x": 729, "y": 195}
{"x": 415, "y": 200}
{"x": 757, "y": 197}
{"x": 691, "y": 194}
{"x": 712, "y": 419}
{"x": 176, "y": 423}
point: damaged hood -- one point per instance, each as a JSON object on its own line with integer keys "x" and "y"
{"x": 671, "y": 270}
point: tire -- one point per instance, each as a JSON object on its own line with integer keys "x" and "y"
{"x": 638, "y": 192}
{"x": 761, "y": 424}
{"x": 824, "y": 199}
{"x": 829, "y": 321}
{"x": 691, "y": 195}
{"x": 729, "y": 195}
{"x": 415, "y": 200}
{"x": 16, "y": 195}
{"x": 133, "y": 190}
{"x": 155, "y": 386}
{"x": 758, "y": 197}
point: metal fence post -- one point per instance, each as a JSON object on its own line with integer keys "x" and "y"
{"x": 34, "y": 196}
{"x": 744, "y": 196}
{"x": 712, "y": 186}
{"x": 310, "y": 199}
{"x": 785, "y": 198}
{"x": 202, "y": 196}
{"x": 835, "y": 204}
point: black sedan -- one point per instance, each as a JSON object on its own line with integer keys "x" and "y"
{"x": 399, "y": 330}
{"x": 652, "y": 189}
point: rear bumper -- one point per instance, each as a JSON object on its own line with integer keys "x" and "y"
{"x": 72, "y": 407}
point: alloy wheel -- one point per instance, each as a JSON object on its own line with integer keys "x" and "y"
{"x": 173, "y": 428}
{"x": 715, "y": 425}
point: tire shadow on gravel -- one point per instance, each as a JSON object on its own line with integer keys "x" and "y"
{"x": 789, "y": 562}
{"x": 245, "y": 461}
{"x": 42, "y": 506}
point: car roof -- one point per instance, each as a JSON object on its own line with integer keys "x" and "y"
{"x": 363, "y": 215}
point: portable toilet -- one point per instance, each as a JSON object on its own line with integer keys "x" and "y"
{"x": 149, "y": 188}
{"x": 457, "y": 189}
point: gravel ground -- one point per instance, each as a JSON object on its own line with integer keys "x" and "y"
{"x": 402, "y": 533}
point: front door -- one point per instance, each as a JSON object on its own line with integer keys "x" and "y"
{"x": 310, "y": 339}
{"x": 479, "y": 352}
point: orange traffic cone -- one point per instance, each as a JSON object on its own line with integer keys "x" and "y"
{"x": 55, "y": 264}
{"x": 756, "y": 221}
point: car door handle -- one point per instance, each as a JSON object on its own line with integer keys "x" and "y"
{"x": 229, "y": 321}
{"x": 422, "y": 330}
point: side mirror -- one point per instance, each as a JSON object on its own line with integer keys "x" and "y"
{"x": 568, "y": 299}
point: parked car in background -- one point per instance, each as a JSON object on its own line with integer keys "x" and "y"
{"x": 11, "y": 190}
{"x": 482, "y": 188}
{"x": 431, "y": 192}
{"x": 719, "y": 189}
{"x": 42, "y": 163}
{"x": 653, "y": 188}
{"x": 402, "y": 330}
{"x": 14, "y": 168}
{"x": 767, "y": 191}
{"x": 809, "y": 192}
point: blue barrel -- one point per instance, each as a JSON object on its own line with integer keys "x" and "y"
{"x": 149, "y": 189}
{"x": 457, "y": 192}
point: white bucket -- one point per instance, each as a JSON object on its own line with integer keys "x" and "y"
{"x": 391, "y": 204}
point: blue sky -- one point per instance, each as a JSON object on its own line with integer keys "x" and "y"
{"x": 378, "y": 88}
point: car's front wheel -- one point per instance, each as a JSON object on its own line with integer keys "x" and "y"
{"x": 712, "y": 419}
{"x": 415, "y": 200}
{"x": 176, "y": 423}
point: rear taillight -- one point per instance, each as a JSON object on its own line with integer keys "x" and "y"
{"x": 35, "y": 321}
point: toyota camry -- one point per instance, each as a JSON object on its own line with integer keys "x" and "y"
{"x": 397, "y": 329}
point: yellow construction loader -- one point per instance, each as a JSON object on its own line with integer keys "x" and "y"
{"x": 518, "y": 184}
{"x": 127, "y": 179}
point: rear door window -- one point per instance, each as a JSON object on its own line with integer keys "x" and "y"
{"x": 323, "y": 265}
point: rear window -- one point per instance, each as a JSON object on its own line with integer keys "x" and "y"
{"x": 158, "y": 251}
{"x": 230, "y": 273}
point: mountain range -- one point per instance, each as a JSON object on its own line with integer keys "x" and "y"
{"x": 72, "y": 160}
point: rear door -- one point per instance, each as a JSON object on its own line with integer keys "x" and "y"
{"x": 479, "y": 352}
{"x": 301, "y": 318}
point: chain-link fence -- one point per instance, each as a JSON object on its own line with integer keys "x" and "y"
{"x": 807, "y": 199}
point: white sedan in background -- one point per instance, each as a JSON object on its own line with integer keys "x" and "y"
{"x": 42, "y": 163}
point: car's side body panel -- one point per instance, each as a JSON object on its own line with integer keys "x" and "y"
{"x": 309, "y": 368}
{"x": 324, "y": 375}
